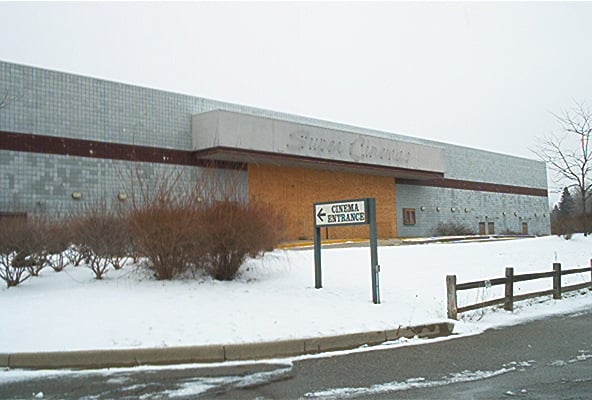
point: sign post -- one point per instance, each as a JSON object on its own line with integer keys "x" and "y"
{"x": 348, "y": 212}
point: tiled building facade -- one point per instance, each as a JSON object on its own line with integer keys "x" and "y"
{"x": 68, "y": 140}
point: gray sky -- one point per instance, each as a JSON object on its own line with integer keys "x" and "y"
{"x": 483, "y": 74}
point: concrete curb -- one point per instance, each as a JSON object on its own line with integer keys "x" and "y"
{"x": 95, "y": 359}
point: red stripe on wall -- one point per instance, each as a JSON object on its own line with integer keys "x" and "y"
{"x": 112, "y": 151}
{"x": 475, "y": 186}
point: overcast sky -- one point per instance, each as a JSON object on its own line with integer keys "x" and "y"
{"x": 480, "y": 74}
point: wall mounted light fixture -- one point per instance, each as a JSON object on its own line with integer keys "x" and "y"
{"x": 76, "y": 195}
{"x": 122, "y": 196}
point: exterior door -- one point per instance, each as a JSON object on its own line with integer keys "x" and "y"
{"x": 482, "y": 228}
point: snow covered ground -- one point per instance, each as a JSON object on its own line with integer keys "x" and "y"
{"x": 275, "y": 297}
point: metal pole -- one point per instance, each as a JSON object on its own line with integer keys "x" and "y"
{"x": 317, "y": 258}
{"x": 556, "y": 280}
{"x": 375, "y": 268}
{"x": 509, "y": 290}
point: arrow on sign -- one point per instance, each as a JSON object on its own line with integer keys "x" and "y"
{"x": 320, "y": 215}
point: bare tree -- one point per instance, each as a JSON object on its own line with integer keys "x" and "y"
{"x": 6, "y": 98}
{"x": 569, "y": 153}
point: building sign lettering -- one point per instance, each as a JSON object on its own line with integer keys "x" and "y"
{"x": 360, "y": 149}
{"x": 302, "y": 141}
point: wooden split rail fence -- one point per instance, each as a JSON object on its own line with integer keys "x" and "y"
{"x": 452, "y": 287}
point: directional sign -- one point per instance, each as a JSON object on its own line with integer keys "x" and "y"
{"x": 351, "y": 212}
{"x": 347, "y": 212}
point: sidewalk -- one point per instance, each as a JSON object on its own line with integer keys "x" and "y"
{"x": 340, "y": 243}
{"x": 96, "y": 359}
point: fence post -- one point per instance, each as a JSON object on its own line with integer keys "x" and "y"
{"x": 556, "y": 280}
{"x": 451, "y": 296}
{"x": 509, "y": 295}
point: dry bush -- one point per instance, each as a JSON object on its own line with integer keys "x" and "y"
{"x": 32, "y": 254}
{"x": 164, "y": 222}
{"x": 452, "y": 229}
{"x": 57, "y": 238}
{"x": 510, "y": 232}
{"x": 561, "y": 225}
{"x": 76, "y": 253}
{"x": 120, "y": 243}
{"x": 216, "y": 237}
{"x": 234, "y": 231}
{"x": 31, "y": 245}
{"x": 180, "y": 228}
{"x": 13, "y": 241}
{"x": 98, "y": 236}
{"x": 166, "y": 235}
{"x": 571, "y": 224}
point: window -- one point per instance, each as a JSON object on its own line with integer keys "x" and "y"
{"x": 409, "y": 216}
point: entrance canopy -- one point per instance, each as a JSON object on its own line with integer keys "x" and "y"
{"x": 231, "y": 136}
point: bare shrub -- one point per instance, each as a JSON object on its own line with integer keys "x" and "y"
{"x": 120, "y": 244}
{"x": 453, "y": 229}
{"x": 57, "y": 239}
{"x": 203, "y": 225}
{"x": 13, "y": 245}
{"x": 234, "y": 231}
{"x": 13, "y": 276}
{"x": 34, "y": 262}
{"x": 96, "y": 232}
{"x": 510, "y": 232}
{"x": 77, "y": 253}
{"x": 165, "y": 221}
{"x": 34, "y": 254}
{"x": 561, "y": 225}
{"x": 165, "y": 233}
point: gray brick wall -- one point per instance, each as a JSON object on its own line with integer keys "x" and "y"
{"x": 506, "y": 211}
{"x": 484, "y": 166}
{"x": 44, "y": 183}
{"x": 58, "y": 104}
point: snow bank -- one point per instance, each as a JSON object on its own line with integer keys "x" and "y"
{"x": 275, "y": 297}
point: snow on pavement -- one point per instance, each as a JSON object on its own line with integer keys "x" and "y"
{"x": 275, "y": 298}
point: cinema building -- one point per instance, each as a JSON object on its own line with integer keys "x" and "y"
{"x": 65, "y": 140}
